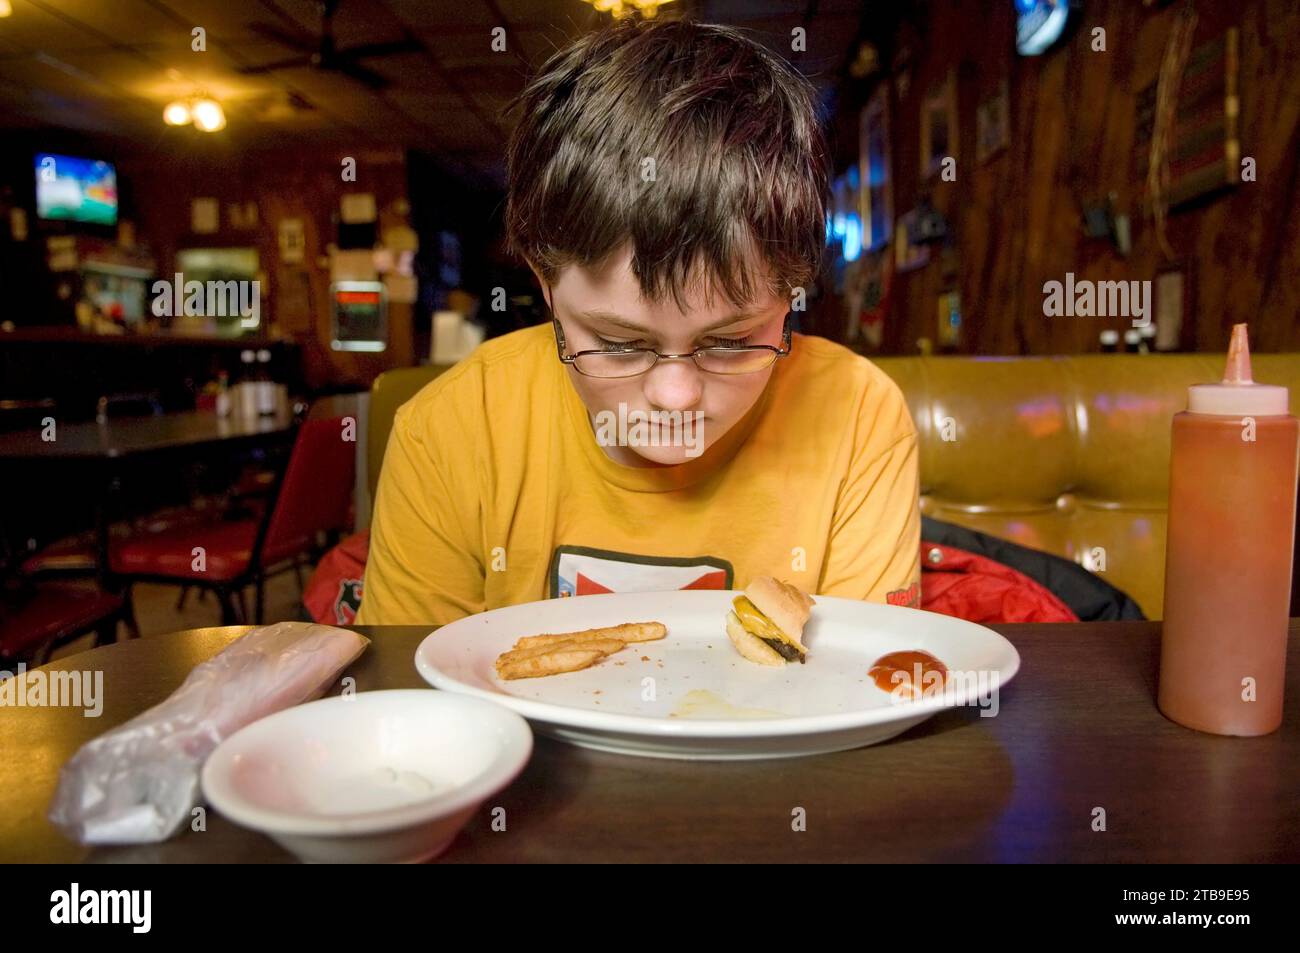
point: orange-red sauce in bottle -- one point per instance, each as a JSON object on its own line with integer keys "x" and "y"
{"x": 1233, "y": 468}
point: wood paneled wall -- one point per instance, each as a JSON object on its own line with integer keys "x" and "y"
{"x": 1072, "y": 138}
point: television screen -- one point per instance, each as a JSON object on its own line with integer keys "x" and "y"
{"x": 75, "y": 190}
{"x": 1039, "y": 24}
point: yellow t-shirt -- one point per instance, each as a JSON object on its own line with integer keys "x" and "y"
{"x": 494, "y": 491}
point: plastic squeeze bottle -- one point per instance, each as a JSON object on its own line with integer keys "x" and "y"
{"x": 1233, "y": 468}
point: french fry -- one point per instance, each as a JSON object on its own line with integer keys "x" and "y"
{"x": 535, "y": 656}
{"x": 604, "y": 646}
{"x": 547, "y": 663}
{"x": 627, "y": 632}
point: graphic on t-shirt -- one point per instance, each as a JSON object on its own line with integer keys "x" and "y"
{"x": 911, "y": 596}
{"x": 582, "y": 571}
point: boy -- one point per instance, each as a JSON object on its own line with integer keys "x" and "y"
{"x": 667, "y": 186}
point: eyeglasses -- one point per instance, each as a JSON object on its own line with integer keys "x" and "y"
{"x": 631, "y": 361}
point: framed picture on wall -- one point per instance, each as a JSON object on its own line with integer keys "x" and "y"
{"x": 939, "y": 126}
{"x": 1203, "y": 150}
{"x": 1171, "y": 307}
{"x": 875, "y": 172}
{"x": 992, "y": 123}
{"x": 908, "y": 256}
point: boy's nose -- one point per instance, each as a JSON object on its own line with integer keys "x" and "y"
{"x": 674, "y": 385}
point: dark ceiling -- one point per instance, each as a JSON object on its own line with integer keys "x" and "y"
{"x": 107, "y": 67}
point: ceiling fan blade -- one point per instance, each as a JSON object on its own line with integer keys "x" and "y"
{"x": 361, "y": 74}
{"x": 367, "y": 50}
{"x": 328, "y": 8}
{"x": 295, "y": 62}
{"x": 301, "y": 42}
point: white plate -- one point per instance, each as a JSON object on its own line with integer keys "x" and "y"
{"x": 692, "y": 696}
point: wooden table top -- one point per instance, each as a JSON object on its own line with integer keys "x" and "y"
{"x": 122, "y": 437}
{"x": 129, "y": 435}
{"x": 1077, "y": 730}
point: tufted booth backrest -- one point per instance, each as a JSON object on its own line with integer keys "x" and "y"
{"x": 1065, "y": 454}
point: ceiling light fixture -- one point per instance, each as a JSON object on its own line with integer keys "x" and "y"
{"x": 6, "y": 8}
{"x": 648, "y": 9}
{"x": 175, "y": 113}
{"x": 208, "y": 115}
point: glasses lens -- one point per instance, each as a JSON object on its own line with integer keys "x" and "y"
{"x": 614, "y": 364}
{"x": 723, "y": 360}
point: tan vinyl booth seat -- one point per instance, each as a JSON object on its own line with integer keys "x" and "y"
{"x": 389, "y": 391}
{"x": 1068, "y": 454}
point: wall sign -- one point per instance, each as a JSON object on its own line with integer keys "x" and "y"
{"x": 293, "y": 243}
{"x": 875, "y": 173}
{"x": 939, "y": 126}
{"x": 1204, "y": 152}
{"x": 359, "y": 312}
{"x": 993, "y": 123}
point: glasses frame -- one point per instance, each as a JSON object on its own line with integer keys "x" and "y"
{"x": 571, "y": 359}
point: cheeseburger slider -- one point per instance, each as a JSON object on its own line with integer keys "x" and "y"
{"x": 767, "y": 621}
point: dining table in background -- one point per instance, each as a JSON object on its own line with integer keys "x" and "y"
{"x": 1078, "y": 765}
{"x": 105, "y": 446}
{"x": 118, "y": 438}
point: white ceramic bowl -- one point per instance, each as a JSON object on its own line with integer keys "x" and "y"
{"x": 377, "y": 777}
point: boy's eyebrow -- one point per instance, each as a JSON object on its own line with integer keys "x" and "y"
{"x": 612, "y": 318}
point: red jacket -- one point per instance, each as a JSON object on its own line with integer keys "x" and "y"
{"x": 333, "y": 594}
{"x": 962, "y": 584}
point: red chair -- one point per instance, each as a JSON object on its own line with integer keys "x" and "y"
{"x": 312, "y": 497}
{"x": 77, "y": 556}
{"x": 35, "y": 619}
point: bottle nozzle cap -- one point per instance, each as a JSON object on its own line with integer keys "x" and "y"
{"x": 1237, "y": 394}
{"x": 1237, "y": 370}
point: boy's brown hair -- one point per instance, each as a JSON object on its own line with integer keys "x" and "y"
{"x": 738, "y": 199}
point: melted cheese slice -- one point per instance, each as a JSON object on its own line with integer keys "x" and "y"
{"x": 759, "y": 624}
